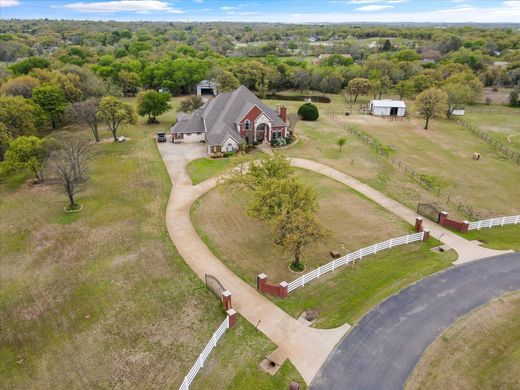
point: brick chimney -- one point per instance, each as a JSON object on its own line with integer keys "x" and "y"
{"x": 283, "y": 113}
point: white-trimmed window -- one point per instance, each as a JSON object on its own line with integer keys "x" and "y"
{"x": 247, "y": 125}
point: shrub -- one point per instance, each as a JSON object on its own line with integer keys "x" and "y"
{"x": 308, "y": 112}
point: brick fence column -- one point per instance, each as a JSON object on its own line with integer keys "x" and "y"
{"x": 465, "y": 227}
{"x": 232, "y": 314}
{"x": 261, "y": 282}
{"x": 426, "y": 235}
{"x": 443, "y": 217}
{"x": 418, "y": 224}
{"x": 226, "y": 300}
{"x": 283, "y": 289}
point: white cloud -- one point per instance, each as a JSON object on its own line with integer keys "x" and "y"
{"x": 140, "y": 6}
{"x": 227, "y": 8}
{"x": 245, "y": 13}
{"x": 362, "y": 1}
{"x": 9, "y": 3}
{"x": 198, "y": 1}
{"x": 375, "y": 7}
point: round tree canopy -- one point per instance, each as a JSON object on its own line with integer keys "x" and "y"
{"x": 308, "y": 112}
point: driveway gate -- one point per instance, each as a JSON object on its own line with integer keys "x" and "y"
{"x": 214, "y": 285}
{"x": 429, "y": 210}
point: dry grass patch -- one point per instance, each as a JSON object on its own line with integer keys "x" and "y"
{"x": 480, "y": 351}
{"x": 246, "y": 245}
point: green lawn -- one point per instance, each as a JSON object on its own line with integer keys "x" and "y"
{"x": 350, "y": 292}
{"x": 234, "y": 365}
{"x": 206, "y": 168}
{"x": 500, "y": 237}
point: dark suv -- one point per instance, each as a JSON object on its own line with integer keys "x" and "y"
{"x": 161, "y": 137}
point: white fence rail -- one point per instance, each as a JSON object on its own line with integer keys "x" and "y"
{"x": 357, "y": 255}
{"x": 204, "y": 355}
{"x": 489, "y": 223}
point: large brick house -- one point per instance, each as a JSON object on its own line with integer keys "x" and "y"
{"x": 230, "y": 118}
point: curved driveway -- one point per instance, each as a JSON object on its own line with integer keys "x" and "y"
{"x": 383, "y": 349}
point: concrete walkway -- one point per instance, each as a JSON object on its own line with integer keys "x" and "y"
{"x": 307, "y": 348}
{"x": 466, "y": 250}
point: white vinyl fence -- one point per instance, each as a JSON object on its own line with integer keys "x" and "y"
{"x": 489, "y": 223}
{"x": 204, "y": 355}
{"x": 357, "y": 255}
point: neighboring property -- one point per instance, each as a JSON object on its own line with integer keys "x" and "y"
{"x": 387, "y": 107}
{"x": 323, "y": 57}
{"x": 206, "y": 87}
{"x": 228, "y": 119}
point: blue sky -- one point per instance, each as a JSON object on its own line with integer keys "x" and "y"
{"x": 290, "y": 11}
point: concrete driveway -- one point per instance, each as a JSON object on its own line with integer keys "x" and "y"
{"x": 382, "y": 350}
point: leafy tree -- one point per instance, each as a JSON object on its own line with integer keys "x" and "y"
{"x": 21, "y": 116}
{"x": 294, "y": 231}
{"x": 406, "y": 55}
{"x": 86, "y": 112}
{"x": 227, "y": 82}
{"x": 20, "y": 86}
{"x": 292, "y": 46}
{"x": 191, "y": 104}
{"x": 431, "y": 103}
{"x": 52, "y": 100}
{"x": 358, "y": 86}
{"x": 302, "y": 79}
{"x": 422, "y": 82}
{"x": 29, "y": 152}
{"x": 25, "y": 66}
{"x": 338, "y": 59}
{"x": 129, "y": 81}
{"x": 308, "y": 112}
{"x": 341, "y": 141}
{"x": 152, "y": 103}
{"x": 404, "y": 88}
{"x": 115, "y": 113}
{"x": 458, "y": 94}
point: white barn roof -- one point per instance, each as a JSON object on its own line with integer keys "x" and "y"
{"x": 387, "y": 103}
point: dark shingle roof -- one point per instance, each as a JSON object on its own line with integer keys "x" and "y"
{"x": 222, "y": 115}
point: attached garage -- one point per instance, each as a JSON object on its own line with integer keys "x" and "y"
{"x": 206, "y": 87}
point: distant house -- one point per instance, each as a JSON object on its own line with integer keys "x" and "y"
{"x": 228, "y": 119}
{"x": 323, "y": 57}
{"x": 207, "y": 87}
{"x": 387, "y": 107}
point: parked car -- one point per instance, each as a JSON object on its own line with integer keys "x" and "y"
{"x": 161, "y": 137}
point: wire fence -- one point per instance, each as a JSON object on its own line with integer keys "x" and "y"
{"x": 492, "y": 111}
{"x": 490, "y": 140}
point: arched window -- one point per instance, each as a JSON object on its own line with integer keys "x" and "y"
{"x": 247, "y": 125}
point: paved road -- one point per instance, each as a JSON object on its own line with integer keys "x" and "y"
{"x": 383, "y": 349}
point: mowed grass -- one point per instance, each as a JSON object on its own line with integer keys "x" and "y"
{"x": 206, "y": 168}
{"x": 99, "y": 298}
{"x": 348, "y": 293}
{"x": 234, "y": 365}
{"x": 480, "y": 351}
{"x": 245, "y": 244}
{"x": 499, "y": 237}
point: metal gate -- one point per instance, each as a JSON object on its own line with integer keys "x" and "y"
{"x": 214, "y": 285}
{"x": 429, "y": 210}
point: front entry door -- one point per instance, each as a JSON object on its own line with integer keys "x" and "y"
{"x": 260, "y": 135}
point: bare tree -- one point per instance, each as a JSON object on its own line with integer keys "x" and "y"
{"x": 70, "y": 162}
{"x": 85, "y": 112}
{"x": 292, "y": 120}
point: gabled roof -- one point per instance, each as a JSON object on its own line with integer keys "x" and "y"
{"x": 388, "y": 103}
{"x": 222, "y": 114}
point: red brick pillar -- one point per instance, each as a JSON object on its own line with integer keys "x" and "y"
{"x": 443, "y": 217}
{"x": 426, "y": 235}
{"x": 283, "y": 289}
{"x": 418, "y": 224}
{"x": 232, "y": 315}
{"x": 261, "y": 282}
{"x": 226, "y": 300}
{"x": 465, "y": 227}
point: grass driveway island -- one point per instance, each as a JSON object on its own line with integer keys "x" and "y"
{"x": 245, "y": 244}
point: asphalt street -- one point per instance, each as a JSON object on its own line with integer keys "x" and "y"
{"x": 382, "y": 350}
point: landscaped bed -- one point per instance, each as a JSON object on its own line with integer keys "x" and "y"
{"x": 245, "y": 244}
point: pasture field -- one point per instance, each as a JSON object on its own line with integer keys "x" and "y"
{"x": 246, "y": 246}
{"x": 479, "y": 351}
{"x": 443, "y": 154}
